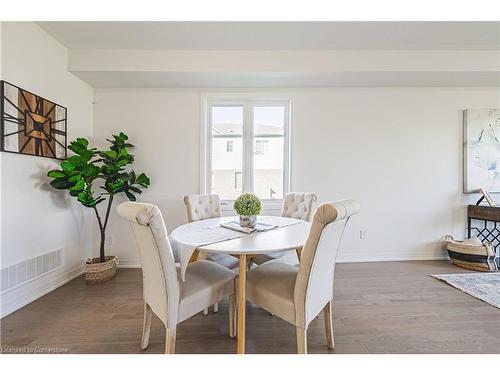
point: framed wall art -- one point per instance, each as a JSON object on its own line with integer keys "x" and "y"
{"x": 30, "y": 124}
{"x": 482, "y": 150}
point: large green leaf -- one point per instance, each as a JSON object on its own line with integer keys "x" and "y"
{"x": 92, "y": 171}
{"x": 86, "y": 199}
{"x": 109, "y": 154}
{"x": 82, "y": 141}
{"x": 79, "y": 186}
{"x": 61, "y": 183}
{"x": 75, "y": 178}
{"x": 56, "y": 174}
{"x": 143, "y": 180}
{"x": 120, "y": 138}
{"x": 124, "y": 161}
{"x": 67, "y": 165}
{"x": 79, "y": 147}
{"x": 114, "y": 186}
{"x": 130, "y": 196}
{"x": 87, "y": 154}
{"x": 77, "y": 160}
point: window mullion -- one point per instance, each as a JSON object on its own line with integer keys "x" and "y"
{"x": 248, "y": 147}
{"x": 208, "y": 146}
{"x": 287, "y": 155}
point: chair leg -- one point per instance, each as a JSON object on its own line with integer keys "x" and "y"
{"x": 327, "y": 313}
{"x": 170, "y": 340}
{"x": 216, "y": 307}
{"x": 299, "y": 253}
{"x": 301, "y": 340}
{"x": 205, "y": 311}
{"x": 232, "y": 315}
{"x": 146, "y": 326}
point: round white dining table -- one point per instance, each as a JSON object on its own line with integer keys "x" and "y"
{"x": 290, "y": 235}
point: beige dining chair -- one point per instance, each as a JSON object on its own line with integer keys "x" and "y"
{"x": 202, "y": 207}
{"x": 169, "y": 299}
{"x": 298, "y": 295}
{"x": 297, "y": 206}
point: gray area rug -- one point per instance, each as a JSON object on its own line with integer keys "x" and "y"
{"x": 485, "y": 286}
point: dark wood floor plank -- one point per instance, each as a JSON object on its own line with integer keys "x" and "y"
{"x": 390, "y": 307}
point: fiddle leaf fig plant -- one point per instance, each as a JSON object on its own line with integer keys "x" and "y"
{"x": 80, "y": 173}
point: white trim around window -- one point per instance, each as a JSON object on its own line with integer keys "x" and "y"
{"x": 247, "y": 101}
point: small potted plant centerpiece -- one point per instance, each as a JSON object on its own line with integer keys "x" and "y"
{"x": 248, "y": 206}
{"x": 80, "y": 173}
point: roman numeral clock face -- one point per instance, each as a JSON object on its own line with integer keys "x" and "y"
{"x": 31, "y": 124}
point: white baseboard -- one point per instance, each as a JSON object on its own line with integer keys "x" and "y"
{"x": 348, "y": 257}
{"x": 374, "y": 256}
{"x": 13, "y": 299}
{"x": 129, "y": 263}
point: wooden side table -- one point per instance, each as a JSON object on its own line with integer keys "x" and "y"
{"x": 489, "y": 229}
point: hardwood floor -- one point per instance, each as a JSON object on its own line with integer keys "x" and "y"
{"x": 390, "y": 307}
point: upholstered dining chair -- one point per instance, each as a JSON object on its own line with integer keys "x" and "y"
{"x": 297, "y": 206}
{"x": 201, "y": 207}
{"x": 169, "y": 299}
{"x": 298, "y": 295}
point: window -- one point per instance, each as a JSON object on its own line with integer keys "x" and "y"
{"x": 247, "y": 148}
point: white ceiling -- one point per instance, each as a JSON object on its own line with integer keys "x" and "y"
{"x": 277, "y": 35}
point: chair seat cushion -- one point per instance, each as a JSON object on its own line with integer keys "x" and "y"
{"x": 225, "y": 260}
{"x": 206, "y": 283}
{"x": 271, "y": 286}
{"x": 264, "y": 258}
{"x": 289, "y": 257}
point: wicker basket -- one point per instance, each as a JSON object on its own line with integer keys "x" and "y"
{"x": 96, "y": 272}
{"x": 479, "y": 257}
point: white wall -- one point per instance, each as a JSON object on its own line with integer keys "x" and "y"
{"x": 397, "y": 150}
{"x": 164, "y": 127}
{"x": 35, "y": 218}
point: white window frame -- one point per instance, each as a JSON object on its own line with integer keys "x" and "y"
{"x": 247, "y": 101}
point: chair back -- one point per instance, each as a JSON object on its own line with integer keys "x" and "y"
{"x": 298, "y": 205}
{"x": 200, "y": 207}
{"x": 315, "y": 279}
{"x": 159, "y": 276}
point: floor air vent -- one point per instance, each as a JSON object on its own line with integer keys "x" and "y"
{"x": 29, "y": 269}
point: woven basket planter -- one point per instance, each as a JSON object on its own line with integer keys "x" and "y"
{"x": 96, "y": 272}
{"x": 472, "y": 257}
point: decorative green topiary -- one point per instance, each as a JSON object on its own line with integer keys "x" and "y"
{"x": 247, "y": 205}
{"x": 79, "y": 175}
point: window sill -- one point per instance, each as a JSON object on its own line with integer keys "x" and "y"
{"x": 269, "y": 206}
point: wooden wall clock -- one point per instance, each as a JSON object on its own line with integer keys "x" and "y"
{"x": 30, "y": 124}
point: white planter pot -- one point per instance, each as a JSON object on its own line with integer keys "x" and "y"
{"x": 248, "y": 221}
